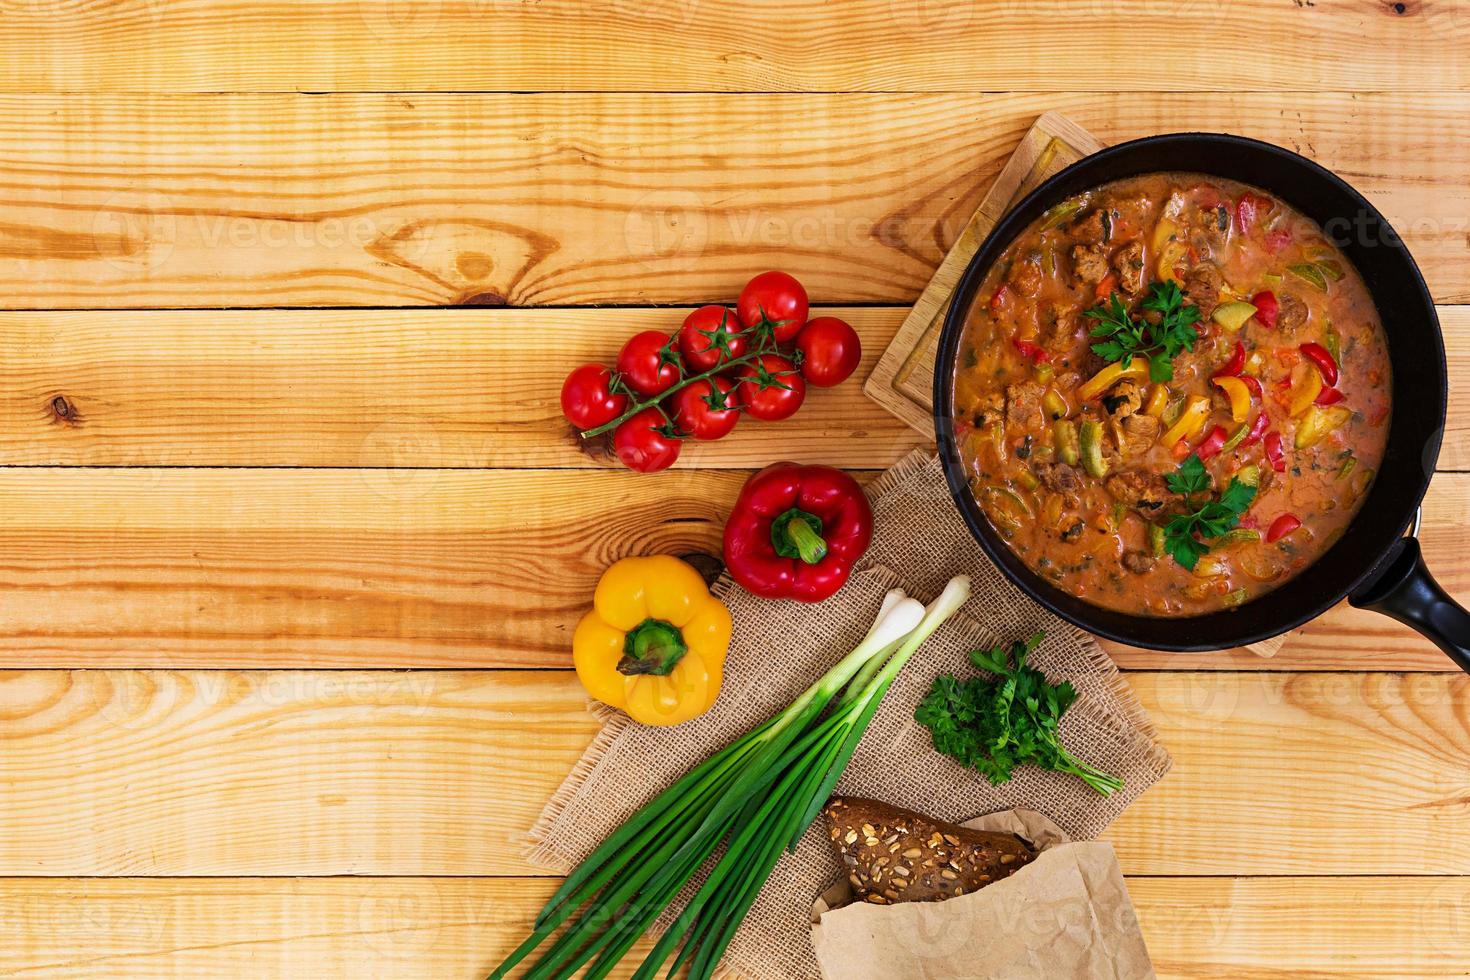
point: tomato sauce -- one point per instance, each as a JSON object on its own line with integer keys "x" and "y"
{"x": 1284, "y": 386}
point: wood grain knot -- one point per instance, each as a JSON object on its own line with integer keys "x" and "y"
{"x": 64, "y": 411}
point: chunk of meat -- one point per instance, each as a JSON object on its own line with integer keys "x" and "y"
{"x": 1202, "y": 288}
{"x": 1144, "y": 492}
{"x": 1123, "y": 399}
{"x": 1090, "y": 263}
{"x": 1128, "y": 264}
{"x": 1023, "y": 403}
{"x": 1095, "y": 228}
{"x": 1059, "y": 333}
{"x": 1292, "y": 315}
{"x": 1139, "y": 433}
{"x": 1025, "y": 274}
{"x": 1138, "y": 563}
{"x": 1059, "y": 477}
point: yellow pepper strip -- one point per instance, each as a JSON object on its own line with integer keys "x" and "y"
{"x": 1305, "y": 391}
{"x": 1318, "y": 422}
{"x": 1238, "y": 395}
{"x": 1157, "y": 399}
{"x": 1163, "y": 233}
{"x": 655, "y": 641}
{"x": 1191, "y": 420}
{"x": 1100, "y": 382}
{"x": 1171, "y": 257}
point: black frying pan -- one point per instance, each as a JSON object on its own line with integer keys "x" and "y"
{"x": 1373, "y": 565}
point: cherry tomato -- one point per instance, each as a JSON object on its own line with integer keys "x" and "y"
{"x": 771, "y": 388}
{"x": 706, "y": 409}
{"x": 1282, "y": 526}
{"x": 643, "y": 444}
{"x": 1267, "y": 308}
{"x": 1320, "y": 357}
{"x": 776, "y": 298}
{"x": 1248, "y": 209}
{"x": 710, "y": 336}
{"x": 587, "y": 399}
{"x": 830, "y": 351}
{"x": 648, "y": 363}
{"x": 1278, "y": 239}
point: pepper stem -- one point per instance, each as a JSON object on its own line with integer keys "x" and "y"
{"x": 652, "y": 647}
{"x": 798, "y": 534}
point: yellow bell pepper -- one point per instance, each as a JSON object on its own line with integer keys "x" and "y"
{"x": 1157, "y": 399}
{"x": 1304, "y": 390}
{"x": 1238, "y": 395}
{"x": 1190, "y": 421}
{"x": 1100, "y": 382}
{"x": 655, "y": 641}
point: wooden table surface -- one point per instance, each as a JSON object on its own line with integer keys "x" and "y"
{"x": 289, "y": 289}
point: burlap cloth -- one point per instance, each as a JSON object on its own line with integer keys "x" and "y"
{"x": 781, "y": 647}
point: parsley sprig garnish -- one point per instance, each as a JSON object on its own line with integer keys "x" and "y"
{"x": 1160, "y": 343}
{"x": 1185, "y": 535}
{"x": 994, "y": 724}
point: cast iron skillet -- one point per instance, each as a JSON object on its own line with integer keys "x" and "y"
{"x": 1373, "y": 565}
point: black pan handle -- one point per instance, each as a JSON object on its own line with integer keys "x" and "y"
{"x": 1406, "y": 591}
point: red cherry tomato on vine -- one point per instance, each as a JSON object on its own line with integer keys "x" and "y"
{"x": 706, "y": 409}
{"x": 586, "y": 399}
{"x": 771, "y": 388}
{"x": 830, "y": 351}
{"x": 648, "y": 363}
{"x": 643, "y": 443}
{"x": 700, "y": 338}
{"x": 777, "y": 298}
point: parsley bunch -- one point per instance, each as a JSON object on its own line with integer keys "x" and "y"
{"x": 1208, "y": 517}
{"x": 994, "y": 724}
{"x": 1160, "y": 343}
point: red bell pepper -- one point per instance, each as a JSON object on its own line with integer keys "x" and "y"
{"x": 1319, "y": 356}
{"x": 1248, "y": 209}
{"x": 1328, "y": 396}
{"x": 1282, "y": 526}
{"x": 1213, "y": 442}
{"x": 1235, "y": 365}
{"x": 1030, "y": 350}
{"x": 796, "y": 531}
{"x": 1258, "y": 429}
{"x": 1254, "y": 384}
{"x": 1274, "y": 455}
{"x": 1267, "y": 309}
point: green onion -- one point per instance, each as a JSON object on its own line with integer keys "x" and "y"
{"x": 756, "y": 796}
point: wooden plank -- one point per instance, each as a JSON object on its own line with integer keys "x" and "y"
{"x": 462, "y": 389}
{"x": 736, "y": 45}
{"x": 558, "y": 199}
{"x": 454, "y": 389}
{"x": 380, "y": 773}
{"x": 437, "y": 928}
{"x": 412, "y": 567}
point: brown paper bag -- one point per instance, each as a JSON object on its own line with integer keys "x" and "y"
{"x": 1065, "y": 915}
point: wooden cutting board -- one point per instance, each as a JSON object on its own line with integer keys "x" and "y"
{"x": 903, "y": 379}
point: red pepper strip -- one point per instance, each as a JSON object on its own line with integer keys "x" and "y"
{"x": 1245, "y": 212}
{"x": 1267, "y": 309}
{"x": 1273, "y": 452}
{"x": 1000, "y": 299}
{"x": 1258, "y": 429}
{"x": 1235, "y": 365}
{"x": 1181, "y": 449}
{"x": 1254, "y": 384}
{"x": 796, "y": 531}
{"x": 1028, "y": 349}
{"x": 1328, "y": 396}
{"x": 1324, "y": 362}
{"x": 1278, "y": 239}
{"x": 1212, "y": 442}
{"x": 1282, "y": 526}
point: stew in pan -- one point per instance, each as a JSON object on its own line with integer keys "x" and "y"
{"x": 1172, "y": 394}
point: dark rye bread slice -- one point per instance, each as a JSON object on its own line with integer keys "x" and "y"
{"x": 896, "y": 855}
